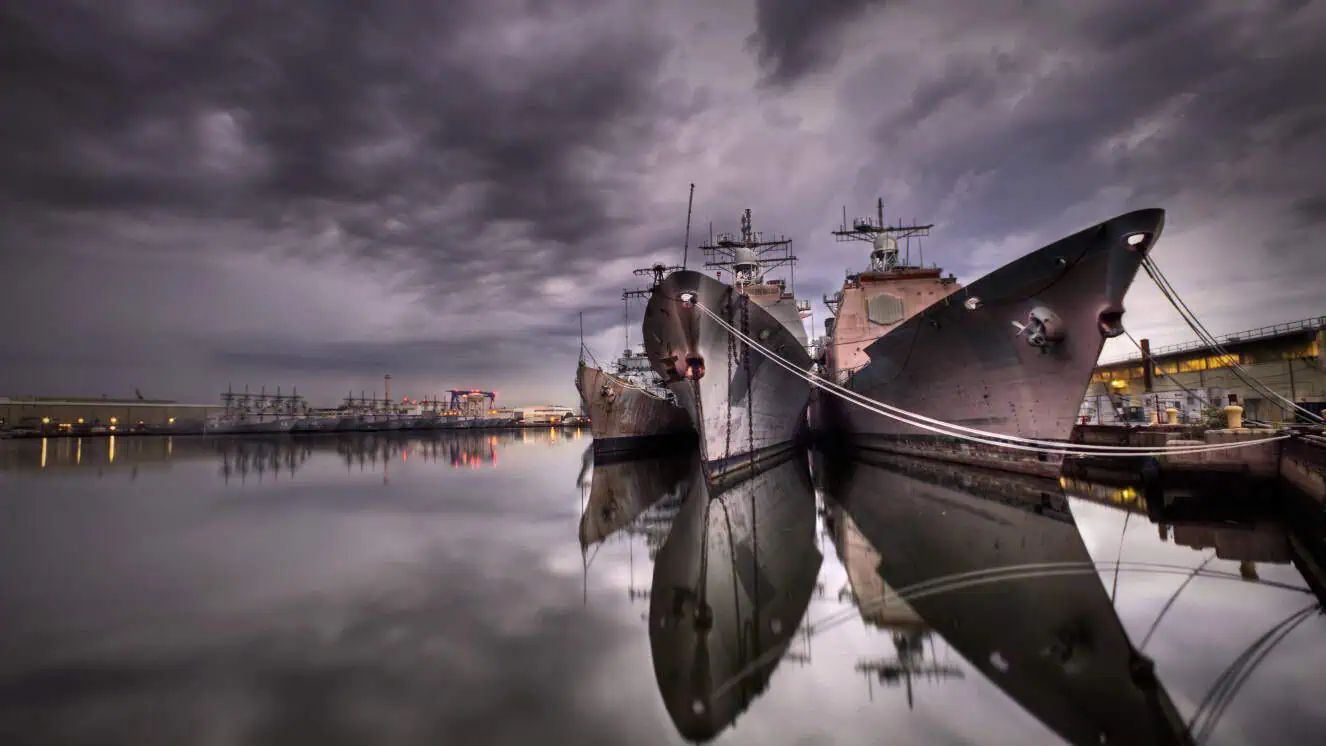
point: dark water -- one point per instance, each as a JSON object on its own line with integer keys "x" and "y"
{"x": 433, "y": 590}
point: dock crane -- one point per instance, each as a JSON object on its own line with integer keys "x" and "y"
{"x": 474, "y": 398}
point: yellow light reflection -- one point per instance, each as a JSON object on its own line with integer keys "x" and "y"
{"x": 170, "y": 445}
{"x": 110, "y": 452}
{"x": 43, "y": 453}
{"x": 78, "y": 452}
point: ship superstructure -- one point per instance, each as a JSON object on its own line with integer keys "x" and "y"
{"x": 874, "y": 301}
{"x": 741, "y": 404}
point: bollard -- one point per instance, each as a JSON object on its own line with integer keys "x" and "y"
{"x": 1171, "y": 416}
{"x": 1152, "y": 416}
{"x": 1233, "y": 417}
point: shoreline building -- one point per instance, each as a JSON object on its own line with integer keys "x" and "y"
{"x": 1191, "y": 377}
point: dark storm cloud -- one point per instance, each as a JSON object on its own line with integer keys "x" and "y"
{"x": 1194, "y": 85}
{"x": 795, "y": 38}
{"x": 310, "y": 86}
{"x": 473, "y": 150}
{"x": 1311, "y": 210}
{"x": 358, "y": 117}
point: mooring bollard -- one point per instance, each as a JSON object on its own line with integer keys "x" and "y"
{"x": 1171, "y": 416}
{"x": 1233, "y": 417}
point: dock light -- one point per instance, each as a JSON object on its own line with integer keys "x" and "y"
{"x": 114, "y": 420}
{"x": 170, "y": 421}
{"x": 46, "y": 420}
{"x": 1118, "y": 384}
{"x": 80, "y": 420}
{"x": 1136, "y": 239}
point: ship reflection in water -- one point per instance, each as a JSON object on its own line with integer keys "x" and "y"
{"x": 970, "y": 573}
{"x": 508, "y": 588}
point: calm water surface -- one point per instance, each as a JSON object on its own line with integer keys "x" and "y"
{"x": 433, "y": 590}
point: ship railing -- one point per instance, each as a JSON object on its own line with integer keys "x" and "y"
{"x": 625, "y": 383}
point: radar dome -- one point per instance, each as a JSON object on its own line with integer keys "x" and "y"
{"x": 886, "y": 242}
{"x": 745, "y": 260}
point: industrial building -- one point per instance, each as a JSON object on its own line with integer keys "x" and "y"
{"x": 87, "y": 414}
{"x": 1193, "y": 377}
{"x": 549, "y": 414}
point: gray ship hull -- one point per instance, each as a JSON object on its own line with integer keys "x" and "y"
{"x": 973, "y": 367}
{"x": 624, "y": 418}
{"x": 731, "y": 585}
{"x": 741, "y": 404}
{"x": 961, "y": 547}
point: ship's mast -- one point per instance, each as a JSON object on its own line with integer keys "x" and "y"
{"x": 872, "y": 229}
{"x": 885, "y": 238}
{"x": 749, "y": 256}
{"x": 909, "y": 664}
{"x": 658, "y": 272}
{"x": 686, "y": 243}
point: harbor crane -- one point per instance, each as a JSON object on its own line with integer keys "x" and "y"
{"x": 474, "y": 398}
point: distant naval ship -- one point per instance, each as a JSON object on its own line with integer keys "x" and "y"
{"x": 742, "y": 405}
{"x": 629, "y": 408}
{"x": 1011, "y": 354}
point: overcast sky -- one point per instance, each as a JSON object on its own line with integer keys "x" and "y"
{"x": 315, "y": 194}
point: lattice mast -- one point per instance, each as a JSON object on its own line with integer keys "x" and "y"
{"x": 887, "y": 255}
{"x": 748, "y": 255}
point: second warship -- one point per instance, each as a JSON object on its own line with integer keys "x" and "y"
{"x": 1011, "y": 354}
{"x": 742, "y": 405}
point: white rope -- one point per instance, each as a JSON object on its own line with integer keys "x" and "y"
{"x": 1014, "y": 573}
{"x": 973, "y": 434}
{"x": 1190, "y": 318}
